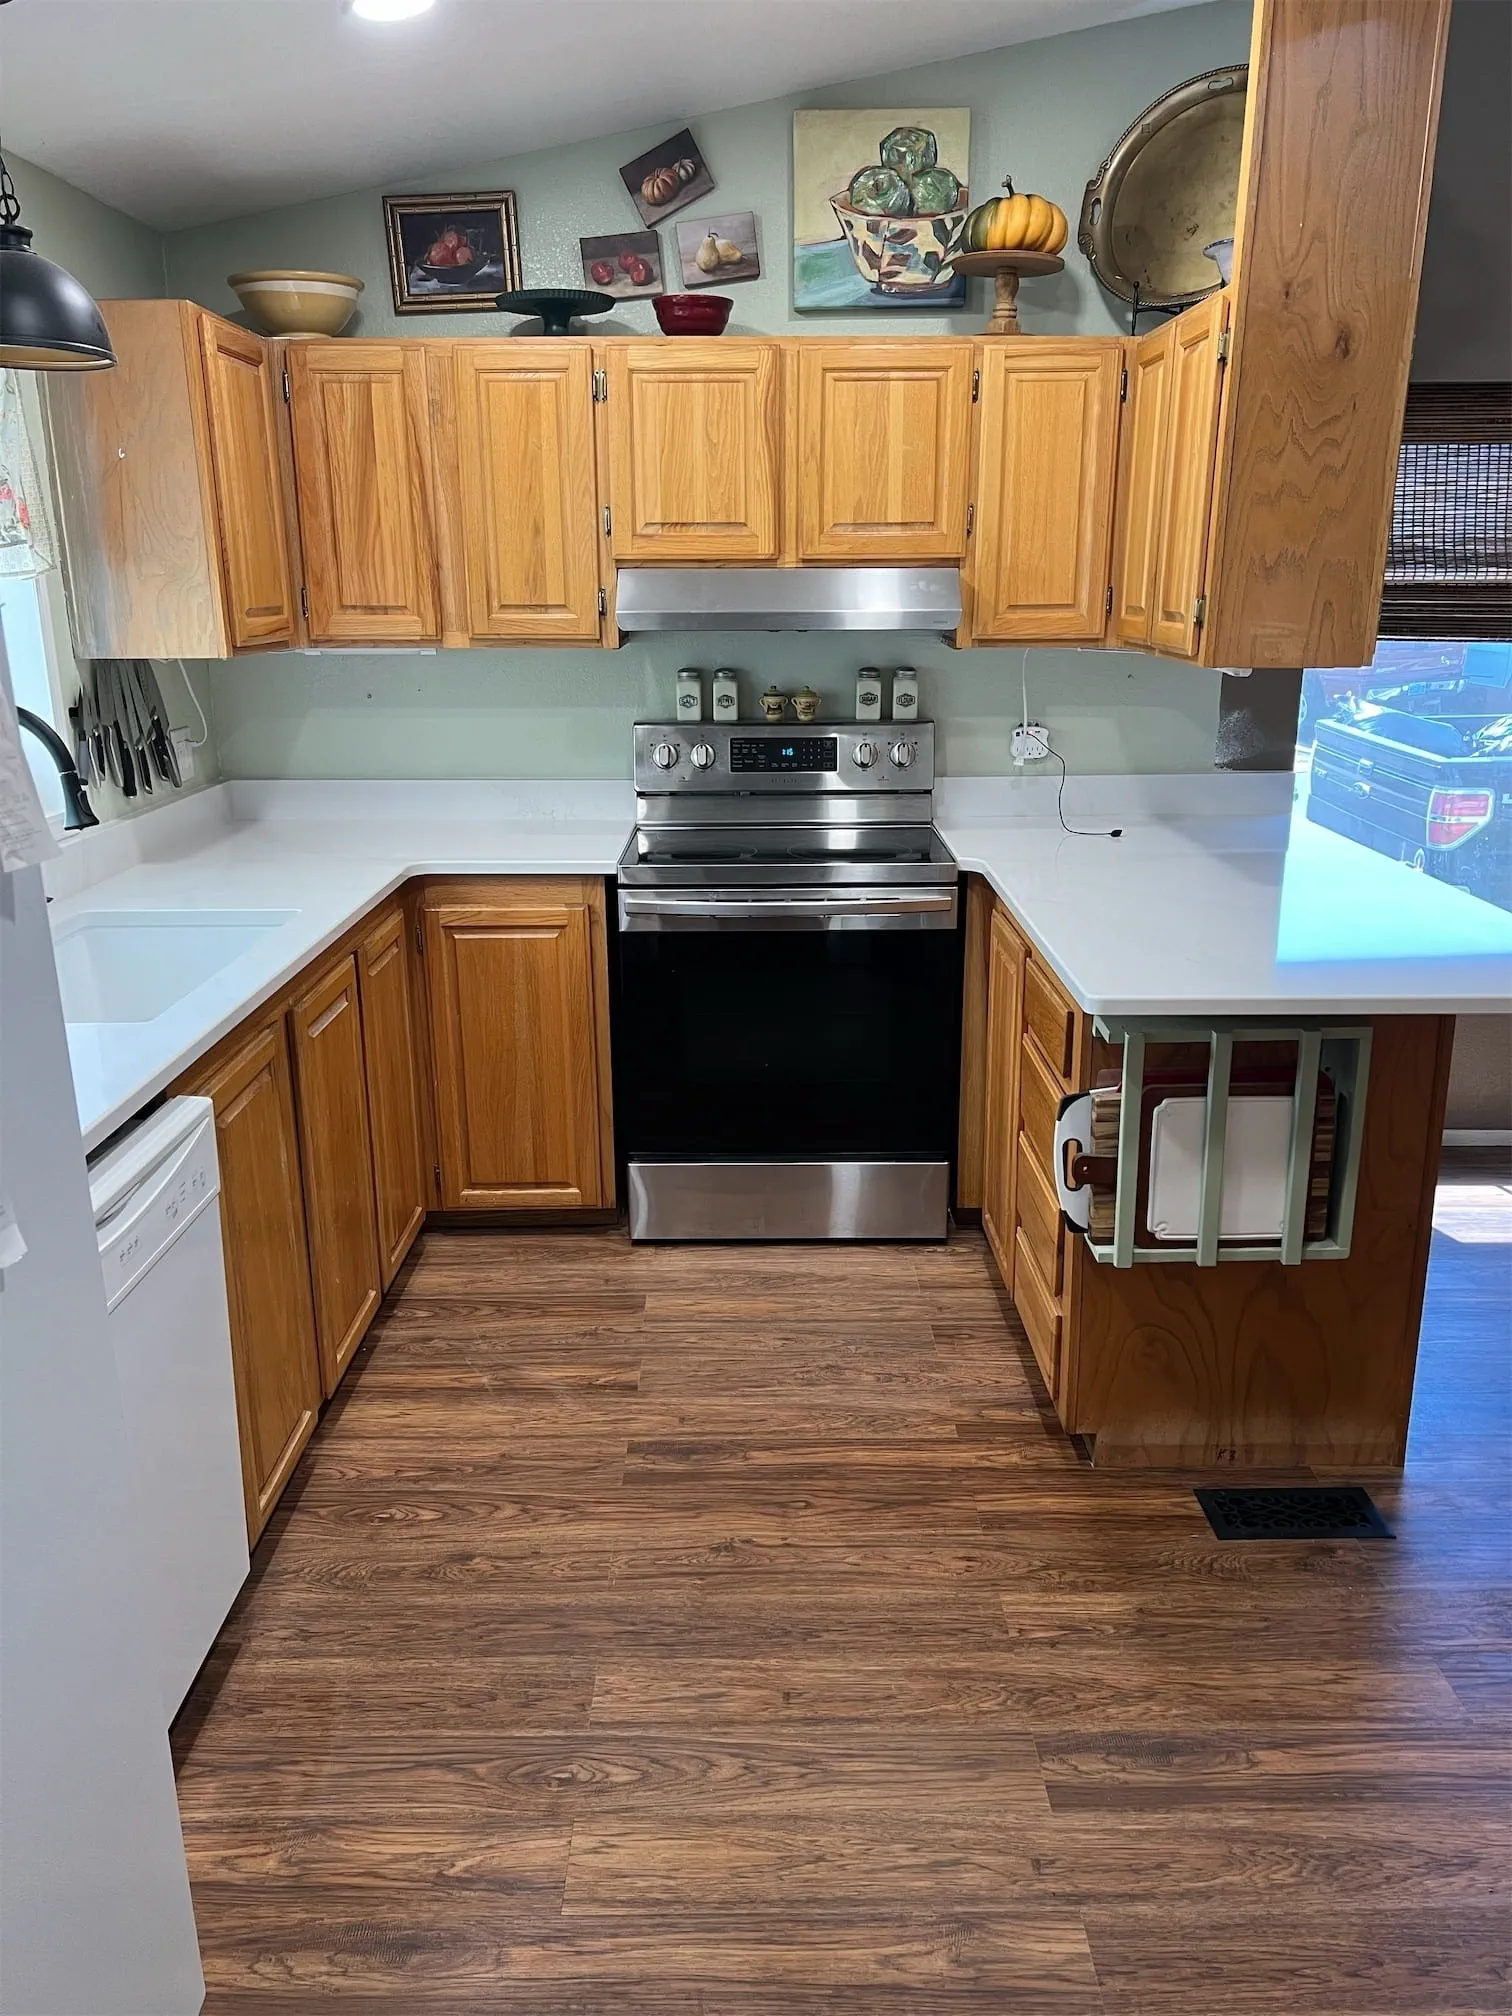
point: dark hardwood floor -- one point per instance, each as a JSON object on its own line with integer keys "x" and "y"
{"x": 733, "y": 1633}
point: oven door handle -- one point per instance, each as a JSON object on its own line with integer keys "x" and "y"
{"x": 876, "y": 907}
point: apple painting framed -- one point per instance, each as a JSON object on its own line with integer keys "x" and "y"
{"x": 879, "y": 199}
{"x": 451, "y": 254}
{"x": 626, "y": 264}
{"x": 714, "y": 251}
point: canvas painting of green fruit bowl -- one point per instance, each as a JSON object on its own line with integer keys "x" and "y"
{"x": 879, "y": 199}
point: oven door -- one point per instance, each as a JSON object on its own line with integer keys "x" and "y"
{"x": 787, "y": 1061}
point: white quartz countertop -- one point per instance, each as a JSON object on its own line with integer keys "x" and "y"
{"x": 1214, "y": 901}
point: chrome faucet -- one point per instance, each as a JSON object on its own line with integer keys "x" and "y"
{"x": 77, "y": 810}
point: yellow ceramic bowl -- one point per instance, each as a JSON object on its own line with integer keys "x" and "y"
{"x": 288, "y": 302}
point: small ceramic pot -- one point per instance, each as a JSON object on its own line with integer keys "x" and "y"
{"x": 806, "y": 704}
{"x": 773, "y": 705}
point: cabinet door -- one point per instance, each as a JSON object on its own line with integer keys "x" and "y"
{"x": 393, "y": 1088}
{"x": 362, "y": 467}
{"x": 695, "y": 450}
{"x": 1191, "y": 451}
{"x": 337, "y": 1155}
{"x": 254, "y": 548}
{"x": 1047, "y": 450}
{"x": 528, "y": 490}
{"x": 514, "y": 1028}
{"x": 267, "y": 1266}
{"x": 1141, "y": 486}
{"x": 883, "y": 447}
{"x": 1005, "y": 1015}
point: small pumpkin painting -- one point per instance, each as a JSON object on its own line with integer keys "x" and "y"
{"x": 667, "y": 177}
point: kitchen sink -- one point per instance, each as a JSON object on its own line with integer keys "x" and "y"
{"x": 133, "y": 965}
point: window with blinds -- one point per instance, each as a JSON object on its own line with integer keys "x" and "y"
{"x": 1449, "y": 559}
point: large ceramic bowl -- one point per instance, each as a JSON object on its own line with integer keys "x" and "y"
{"x": 288, "y": 302}
{"x": 901, "y": 255}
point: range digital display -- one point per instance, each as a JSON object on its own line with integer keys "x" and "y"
{"x": 798, "y": 752}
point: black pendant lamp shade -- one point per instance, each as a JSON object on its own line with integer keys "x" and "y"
{"x": 48, "y": 322}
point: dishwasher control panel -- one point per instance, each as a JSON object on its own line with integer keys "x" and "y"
{"x": 140, "y": 1214}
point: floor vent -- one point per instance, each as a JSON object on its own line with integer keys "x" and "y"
{"x": 1293, "y": 1512}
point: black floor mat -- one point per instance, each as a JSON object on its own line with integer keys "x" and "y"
{"x": 1292, "y": 1512}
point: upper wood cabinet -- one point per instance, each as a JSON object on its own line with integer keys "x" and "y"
{"x": 337, "y": 1157}
{"x": 393, "y": 1087}
{"x": 169, "y": 487}
{"x": 267, "y": 1268}
{"x": 1141, "y": 485}
{"x": 527, "y": 491}
{"x": 883, "y": 449}
{"x": 258, "y": 584}
{"x": 695, "y": 449}
{"x": 518, "y": 979}
{"x": 1046, "y": 454}
{"x": 362, "y": 456}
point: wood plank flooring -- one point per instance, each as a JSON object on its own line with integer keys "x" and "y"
{"x": 733, "y": 1633}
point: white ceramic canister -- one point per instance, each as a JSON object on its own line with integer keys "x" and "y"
{"x": 726, "y": 694}
{"x": 690, "y": 694}
{"x": 868, "y": 694}
{"x": 905, "y": 694}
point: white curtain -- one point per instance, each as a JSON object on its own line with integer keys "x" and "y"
{"x": 27, "y": 545}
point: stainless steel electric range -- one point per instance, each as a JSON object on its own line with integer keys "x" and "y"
{"x": 787, "y": 1040}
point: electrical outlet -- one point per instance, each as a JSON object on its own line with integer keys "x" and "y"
{"x": 1031, "y": 743}
{"x": 183, "y": 748}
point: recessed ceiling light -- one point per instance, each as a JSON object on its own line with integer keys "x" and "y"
{"x": 389, "y": 10}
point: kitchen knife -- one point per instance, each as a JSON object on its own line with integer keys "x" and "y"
{"x": 167, "y": 755}
{"x": 136, "y": 708}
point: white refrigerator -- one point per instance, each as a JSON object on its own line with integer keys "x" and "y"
{"x": 95, "y": 1913}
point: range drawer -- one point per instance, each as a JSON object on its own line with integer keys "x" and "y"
{"x": 1039, "y": 1218}
{"x": 1037, "y": 1310}
{"x": 1050, "y": 1019}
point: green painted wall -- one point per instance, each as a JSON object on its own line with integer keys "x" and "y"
{"x": 1046, "y": 111}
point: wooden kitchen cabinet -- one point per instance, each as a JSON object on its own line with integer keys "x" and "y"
{"x": 517, "y": 978}
{"x": 884, "y": 442}
{"x": 168, "y": 481}
{"x": 362, "y": 465}
{"x": 695, "y": 439}
{"x": 1047, "y": 445}
{"x": 337, "y": 1157}
{"x": 267, "y": 1264}
{"x": 393, "y": 1087}
{"x": 528, "y": 491}
{"x": 1141, "y": 485}
{"x": 1006, "y": 958}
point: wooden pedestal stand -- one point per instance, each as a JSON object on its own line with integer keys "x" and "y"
{"x": 1007, "y": 268}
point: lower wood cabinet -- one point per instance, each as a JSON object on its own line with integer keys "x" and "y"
{"x": 393, "y": 1087}
{"x": 517, "y": 979}
{"x": 267, "y": 1268}
{"x": 336, "y": 1151}
{"x": 1006, "y": 954}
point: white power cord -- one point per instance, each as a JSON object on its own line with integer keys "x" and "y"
{"x": 204, "y": 734}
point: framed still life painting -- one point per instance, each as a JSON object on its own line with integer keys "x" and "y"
{"x": 879, "y": 199}
{"x": 449, "y": 254}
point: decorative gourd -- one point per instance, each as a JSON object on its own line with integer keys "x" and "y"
{"x": 1015, "y": 223}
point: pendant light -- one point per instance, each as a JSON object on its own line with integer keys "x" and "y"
{"x": 48, "y": 322}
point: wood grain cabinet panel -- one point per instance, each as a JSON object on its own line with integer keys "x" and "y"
{"x": 393, "y": 1088}
{"x": 1191, "y": 447}
{"x": 1006, "y": 957}
{"x": 515, "y": 998}
{"x": 528, "y": 491}
{"x": 1047, "y": 451}
{"x": 267, "y": 1264}
{"x": 695, "y": 449}
{"x": 362, "y": 468}
{"x": 254, "y": 551}
{"x": 883, "y": 450}
{"x": 1141, "y": 483}
{"x": 336, "y": 1152}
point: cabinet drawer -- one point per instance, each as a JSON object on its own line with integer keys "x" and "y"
{"x": 1037, "y": 1310}
{"x": 1039, "y": 1102}
{"x": 1050, "y": 1019}
{"x": 1039, "y": 1217}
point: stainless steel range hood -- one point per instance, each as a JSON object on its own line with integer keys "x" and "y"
{"x": 788, "y": 598}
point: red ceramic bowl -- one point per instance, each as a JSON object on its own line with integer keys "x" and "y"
{"x": 692, "y": 314}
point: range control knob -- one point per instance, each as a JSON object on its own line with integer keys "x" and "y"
{"x": 702, "y": 755}
{"x": 903, "y": 754}
{"x": 664, "y": 755}
{"x": 864, "y": 755}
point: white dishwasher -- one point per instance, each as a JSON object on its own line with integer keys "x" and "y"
{"x": 157, "y": 1218}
